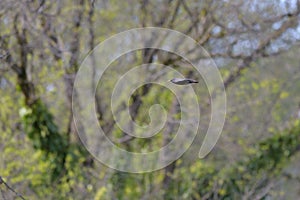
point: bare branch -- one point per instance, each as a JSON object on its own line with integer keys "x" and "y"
{"x": 10, "y": 188}
{"x": 171, "y": 23}
{"x": 260, "y": 51}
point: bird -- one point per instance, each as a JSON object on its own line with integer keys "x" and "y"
{"x": 183, "y": 81}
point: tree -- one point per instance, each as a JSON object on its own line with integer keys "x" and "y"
{"x": 42, "y": 44}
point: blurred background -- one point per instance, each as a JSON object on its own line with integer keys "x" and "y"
{"x": 255, "y": 45}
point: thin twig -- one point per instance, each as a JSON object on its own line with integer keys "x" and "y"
{"x": 10, "y": 188}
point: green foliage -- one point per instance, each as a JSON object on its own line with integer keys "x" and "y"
{"x": 276, "y": 150}
{"x": 265, "y": 162}
{"x": 125, "y": 185}
{"x": 42, "y": 131}
{"x": 44, "y": 134}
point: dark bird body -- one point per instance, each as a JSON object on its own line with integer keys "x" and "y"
{"x": 183, "y": 81}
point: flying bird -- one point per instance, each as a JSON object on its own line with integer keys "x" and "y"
{"x": 183, "y": 81}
